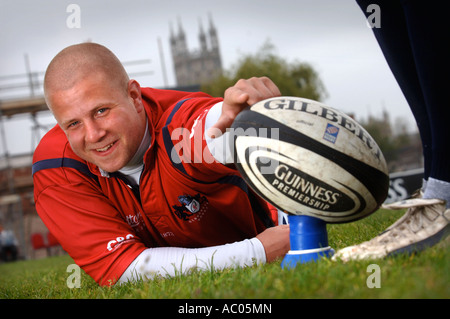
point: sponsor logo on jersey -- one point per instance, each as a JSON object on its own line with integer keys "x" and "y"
{"x": 134, "y": 219}
{"x": 119, "y": 241}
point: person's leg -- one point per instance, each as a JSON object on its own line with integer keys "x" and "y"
{"x": 425, "y": 22}
{"x": 393, "y": 39}
{"x": 409, "y": 43}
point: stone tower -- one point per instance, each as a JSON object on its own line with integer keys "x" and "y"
{"x": 196, "y": 66}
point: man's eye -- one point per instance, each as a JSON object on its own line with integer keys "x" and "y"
{"x": 73, "y": 124}
{"x": 102, "y": 110}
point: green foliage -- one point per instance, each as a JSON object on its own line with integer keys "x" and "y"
{"x": 391, "y": 138}
{"x": 423, "y": 275}
{"x": 293, "y": 79}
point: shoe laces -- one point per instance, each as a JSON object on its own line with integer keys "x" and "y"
{"x": 413, "y": 220}
{"x": 420, "y": 213}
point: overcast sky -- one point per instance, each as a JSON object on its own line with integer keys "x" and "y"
{"x": 331, "y": 35}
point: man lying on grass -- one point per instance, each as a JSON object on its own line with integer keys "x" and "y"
{"x": 130, "y": 182}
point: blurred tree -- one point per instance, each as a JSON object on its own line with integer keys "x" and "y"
{"x": 293, "y": 79}
{"x": 391, "y": 139}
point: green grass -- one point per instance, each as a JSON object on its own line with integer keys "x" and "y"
{"x": 423, "y": 275}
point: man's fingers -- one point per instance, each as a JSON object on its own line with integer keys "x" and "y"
{"x": 258, "y": 89}
{"x": 238, "y": 97}
{"x": 235, "y": 101}
{"x": 273, "y": 89}
{"x": 235, "y": 97}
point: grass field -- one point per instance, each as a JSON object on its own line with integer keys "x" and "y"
{"x": 423, "y": 275}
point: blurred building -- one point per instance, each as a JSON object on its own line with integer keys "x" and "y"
{"x": 17, "y": 211}
{"x": 193, "y": 67}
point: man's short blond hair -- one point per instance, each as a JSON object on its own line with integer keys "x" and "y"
{"x": 80, "y": 61}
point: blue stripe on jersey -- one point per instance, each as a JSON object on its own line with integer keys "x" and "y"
{"x": 168, "y": 144}
{"x": 62, "y": 162}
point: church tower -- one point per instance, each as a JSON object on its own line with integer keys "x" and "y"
{"x": 213, "y": 36}
{"x": 202, "y": 39}
{"x": 196, "y": 66}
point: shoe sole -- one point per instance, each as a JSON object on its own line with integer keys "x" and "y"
{"x": 424, "y": 244}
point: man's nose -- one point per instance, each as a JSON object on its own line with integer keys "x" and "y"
{"x": 93, "y": 132}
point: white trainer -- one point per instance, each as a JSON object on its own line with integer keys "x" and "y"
{"x": 424, "y": 224}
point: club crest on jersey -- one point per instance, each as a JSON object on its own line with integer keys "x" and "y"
{"x": 192, "y": 208}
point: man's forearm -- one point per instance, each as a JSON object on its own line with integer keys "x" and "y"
{"x": 169, "y": 261}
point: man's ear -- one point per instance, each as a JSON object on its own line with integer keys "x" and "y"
{"x": 134, "y": 93}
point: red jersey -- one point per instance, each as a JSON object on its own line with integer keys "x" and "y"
{"x": 183, "y": 200}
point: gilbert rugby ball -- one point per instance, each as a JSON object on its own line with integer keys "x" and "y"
{"x": 306, "y": 158}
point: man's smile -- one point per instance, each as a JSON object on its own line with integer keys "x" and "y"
{"x": 105, "y": 150}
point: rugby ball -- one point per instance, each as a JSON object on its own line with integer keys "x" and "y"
{"x": 306, "y": 158}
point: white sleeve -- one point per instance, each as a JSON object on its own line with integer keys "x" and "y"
{"x": 220, "y": 147}
{"x": 172, "y": 261}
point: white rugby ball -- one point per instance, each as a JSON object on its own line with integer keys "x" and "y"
{"x": 307, "y": 158}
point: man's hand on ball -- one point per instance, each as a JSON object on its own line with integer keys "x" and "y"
{"x": 241, "y": 95}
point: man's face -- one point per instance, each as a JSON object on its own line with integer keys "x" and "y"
{"x": 104, "y": 124}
